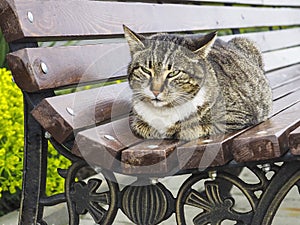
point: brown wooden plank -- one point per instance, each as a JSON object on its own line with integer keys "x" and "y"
{"x": 287, "y": 88}
{"x": 151, "y": 157}
{"x": 102, "y": 145}
{"x": 57, "y": 19}
{"x": 280, "y": 77}
{"x": 285, "y": 102}
{"x": 256, "y": 2}
{"x": 204, "y": 153}
{"x": 9, "y": 22}
{"x": 281, "y": 58}
{"x": 268, "y": 139}
{"x": 91, "y": 63}
{"x": 271, "y": 40}
{"x": 294, "y": 141}
{"x": 67, "y": 65}
{"x": 63, "y": 115}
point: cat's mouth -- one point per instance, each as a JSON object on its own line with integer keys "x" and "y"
{"x": 157, "y": 102}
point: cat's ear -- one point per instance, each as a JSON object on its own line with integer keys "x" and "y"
{"x": 135, "y": 41}
{"x": 206, "y": 42}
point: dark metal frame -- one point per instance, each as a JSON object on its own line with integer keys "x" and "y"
{"x": 215, "y": 203}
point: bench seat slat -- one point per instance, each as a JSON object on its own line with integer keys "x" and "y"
{"x": 102, "y": 146}
{"x": 58, "y": 19}
{"x": 267, "y": 140}
{"x": 285, "y": 102}
{"x": 216, "y": 151}
{"x": 288, "y": 88}
{"x": 64, "y": 115}
{"x": 204, "y": 153}
{"x": 150, "y": 157}
{"x": 294, "y": 141}
{"x": 281, "y": 58}
{"x": 280, "y": 77}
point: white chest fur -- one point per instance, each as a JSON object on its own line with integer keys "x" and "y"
{"x": 162, "y": 118}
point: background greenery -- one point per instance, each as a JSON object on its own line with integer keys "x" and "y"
{"x": 11, "y": 142}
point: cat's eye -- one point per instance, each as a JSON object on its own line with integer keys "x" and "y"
{"x": 174, "y": 73}
{"x": 145, "y": 70}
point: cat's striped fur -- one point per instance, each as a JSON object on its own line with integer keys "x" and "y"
{"x": 190, "y": 86}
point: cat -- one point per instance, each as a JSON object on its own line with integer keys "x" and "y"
{"x": 190, "y": 86}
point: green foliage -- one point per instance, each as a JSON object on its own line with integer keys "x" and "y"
{"x": 11, "y": 141}
{"x": 3, "y": 50}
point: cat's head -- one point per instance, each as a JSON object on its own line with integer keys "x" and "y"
{"x": 167, "y": 70}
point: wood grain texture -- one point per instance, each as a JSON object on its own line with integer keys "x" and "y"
{"x": 269, "y": 139}
{"x": 287, "y": 88}
{"x": 68, "y": 65}
{"x": 204, "y": 153}
{"x": 156, "y": 157}
{"x": 58, "y": 19}
{"x": 281, "y": 104}
{"x": 271, "y": 40}
{"x": 102, "y": 145}
{"x": 294, "y": 141}
{"x": 281, "y": 58}
{"x": 280, "y": 77}
{"x": 89, "y": 108}
{"x": 9, "y": 21}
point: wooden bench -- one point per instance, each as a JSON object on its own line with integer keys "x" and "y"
{"x": 91, "y": 126}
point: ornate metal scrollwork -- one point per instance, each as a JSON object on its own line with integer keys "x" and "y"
{"x": 83, "y": 197}
{"x": 215, "y": 205}
{"x": 147, "y": 204}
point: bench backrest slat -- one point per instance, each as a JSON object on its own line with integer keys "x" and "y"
{"x": 94, "y": 63}
{"x": 44, "y": 20}
{"x": 256, "y": 2}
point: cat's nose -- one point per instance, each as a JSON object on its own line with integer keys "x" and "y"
{"x": 156, "y": 93}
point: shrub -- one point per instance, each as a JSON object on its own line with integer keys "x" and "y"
{"x": 11, "y": 142}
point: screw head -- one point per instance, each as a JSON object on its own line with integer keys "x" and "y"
{"x": 44, "y": 67}
{"x": 47, "y": 135}
{"x": 109, "y": 137}
{"x": 70, "y": 111}
{"x": 213, "y": 174}
{"x": 154, "y": 181}
{"x": 30, "y": 16}
{"x": 153, "y": 147}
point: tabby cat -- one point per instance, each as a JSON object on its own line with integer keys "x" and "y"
{"x": 190, "y": 86}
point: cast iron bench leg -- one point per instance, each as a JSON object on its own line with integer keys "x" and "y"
{"x": 34, "y": 173}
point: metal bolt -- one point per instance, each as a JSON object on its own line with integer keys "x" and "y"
{"x": 153, "y": 146}
{"x": 207, "y": 141}
{"x": 44, "y": 67}
{"x": 212, "y": 174}
{"x": 47, "y": 135}
{"x": 98, "y": 169}
{"x": 154, "y": 181}
{"x": 70, "y": 111}
{"x": 262, "y": 132}
{"x": 30, "y": 16}
{"x": 266, "y": 167}
{"x": 109, "y": 137}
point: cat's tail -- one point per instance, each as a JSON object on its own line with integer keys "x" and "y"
{"x": 249, "y": 49}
